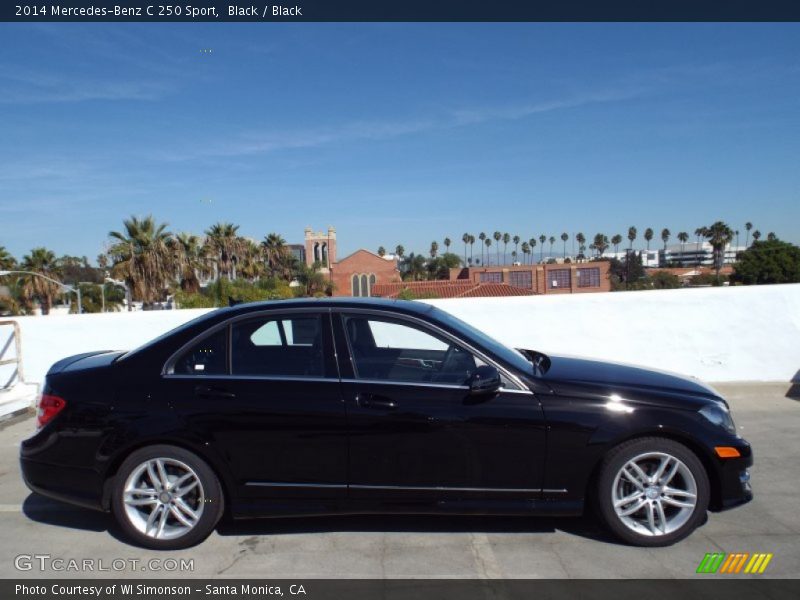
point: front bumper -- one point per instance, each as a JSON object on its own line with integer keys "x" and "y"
{"x": 733, "y": 480}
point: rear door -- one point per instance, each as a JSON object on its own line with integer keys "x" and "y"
{"x": 276, "y": 413}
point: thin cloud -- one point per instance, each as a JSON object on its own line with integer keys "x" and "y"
{"x": 378, "y": 130}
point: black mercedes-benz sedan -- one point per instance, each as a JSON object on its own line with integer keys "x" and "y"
{"x": 310, "y": 407}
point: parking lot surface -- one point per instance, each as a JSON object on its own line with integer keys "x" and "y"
{"x": 422, "y": 547}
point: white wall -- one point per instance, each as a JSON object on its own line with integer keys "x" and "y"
{"x": 716, "y": 334}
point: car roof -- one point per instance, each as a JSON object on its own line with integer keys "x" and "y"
{"x": 338, "y": 302}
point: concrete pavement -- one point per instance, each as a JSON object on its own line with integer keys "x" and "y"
{"x": 450, "y": 547}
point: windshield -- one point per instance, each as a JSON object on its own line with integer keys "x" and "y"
{"x": 509, "y": 355}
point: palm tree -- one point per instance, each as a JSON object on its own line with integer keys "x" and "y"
{"x": 497, "y": 237}
{"x": 399, "y": 251}
{"x": 143, "y": 257}
{"x": 275, "y": 251}
{"x": 665, "y": 233}
{"x": 447, "y": 242}
{"x": 488, "y": 244}
{"x": 542, "y": 239}
{"x": 600, "y": 243}
{"x": 516, "y": 239}
{"x": 631, "y": 236}
{"x": 506, "y": 239}
{"x": 616, "y": 240}
{"x": 699, "y": 233}
{"x": 43, "y": 262}
{"x": 381, "y": 251}
{"x": 771, "y": 236}
{"x": 434, "y": 249}
{"x": 190, "y": 260}
{"x": 683, "y": 237}
{"x": 748, "y": 226}
{"x": 737, "y": 237}
{"x": 526, "y": 250}
{"x": 564, "y": 238}
{"x": 7, "y": 262}
{"x": 719, "y": 236}
{"x": 552, "y": 241}
{"x": 756, "y": 235}
{"x": 648, "y": 235}
{"x": 465, "y": 239}
{"x": 471, "y": 243}
{"x": 581, "y": 239}
{"x": 532, "y": 244}
{"x": 224, "y": 243}
{"x": 251, "y": 265}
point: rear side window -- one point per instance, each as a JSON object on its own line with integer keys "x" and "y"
{"x": 206, "y": 357}
{"x": 278, "y": 346}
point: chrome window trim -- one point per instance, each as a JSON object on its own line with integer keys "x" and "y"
{"x": 296, "y": 485}
{"x": 449, "y": 386}
{"x": 259, "y": 377}
{"x": 169, "y": 364}
{"x": 522, "y": 388}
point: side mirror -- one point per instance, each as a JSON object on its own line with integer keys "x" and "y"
{"x": 486, "y": 380}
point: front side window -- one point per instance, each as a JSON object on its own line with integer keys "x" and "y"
{"x": 206, "y": 357}
{"x": 386, "y": 349}
{"x": 278, "y": 346}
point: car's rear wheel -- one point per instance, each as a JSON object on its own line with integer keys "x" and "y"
{"x": 166, "y": 498}
{"x": 652, "y": 491}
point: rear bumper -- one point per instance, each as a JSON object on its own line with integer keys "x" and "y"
{"x": 82, "y": 487}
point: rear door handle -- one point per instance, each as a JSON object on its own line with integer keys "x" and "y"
{"x": 205, "y": 391}
{"x": 375, "y": 401}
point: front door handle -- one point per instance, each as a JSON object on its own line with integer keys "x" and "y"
{"x": 375, "y": 401}
{"x": 205, "y": 391}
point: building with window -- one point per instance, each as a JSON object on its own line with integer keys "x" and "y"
{"x": 692, "y": 254}
{"x": 564, "y": 278}
{"x": 357, "y": 274}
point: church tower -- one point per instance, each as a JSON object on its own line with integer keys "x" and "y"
{"x": 320, "y": 247}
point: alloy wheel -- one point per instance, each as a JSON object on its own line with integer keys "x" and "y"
{"x": 654, "y": 494}
{"x": 163, "y": 498}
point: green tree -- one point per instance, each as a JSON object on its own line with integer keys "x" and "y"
{"x": 516, "y": 239}
{"x": 665, "y": 233}
{"x": 400, "y": 251}
{"x": 616, "y": 240}
{"x": 506, "y": 239}
{"x": 683, "y": 237}
{"x": 434, "y": 248}
{"x": 465, "y": 239}
{"x": 648, "y": 235}
{"x": 600, "y": 244}
{"x": 7, "y": 262}
{"x": 382, "y": 251}
{"x": 532, "y": 243}
{"x": 191, "y": 260}
{"x": 43, "y": 262}
{"x": 719, "y": 235}
{"x": 447, "y": 242}
{"x": 552, "y": 241}
{"x": 143, "y": 257}
{"x": 564, "y": 238}
{"x": 748, "y": 226}
{"x": 223, "y": 245}
{"x": 631, "y": 236}
{"x": 488, "y": 243}
{"x": 771, "y": 261}
{"x": 756, "y": 235}
{"x": 482, "y": 238}
{"x": 663, "y": 280}
{"x": 497, "y": 238}
{"x": 276, "y": 256}
{"x": 526, "y": 250}
{"x": 542, "y": 240}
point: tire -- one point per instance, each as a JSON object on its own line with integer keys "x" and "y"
{"x": 178, "y": 515}
{"x": 642, "y": 510}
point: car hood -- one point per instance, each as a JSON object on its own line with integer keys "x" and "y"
{"x": 609, "y": 375}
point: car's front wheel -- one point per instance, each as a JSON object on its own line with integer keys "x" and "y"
{"x": 652, "y": 491}
{"x": 166, "y": 498}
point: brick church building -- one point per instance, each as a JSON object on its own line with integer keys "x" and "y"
{"x": 353, "y": 275}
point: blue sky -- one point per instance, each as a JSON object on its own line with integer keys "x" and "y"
{"x": 396, "y": 133}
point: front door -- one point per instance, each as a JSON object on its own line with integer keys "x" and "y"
{"x": 416, "y": 433}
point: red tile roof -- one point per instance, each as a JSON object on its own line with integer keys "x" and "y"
{"x": 448, "y": 289}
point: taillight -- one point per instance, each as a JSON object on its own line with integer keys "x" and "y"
{"x": 49, "y": 407}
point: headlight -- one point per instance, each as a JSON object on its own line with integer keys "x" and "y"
{"x": 719, "y": 415}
